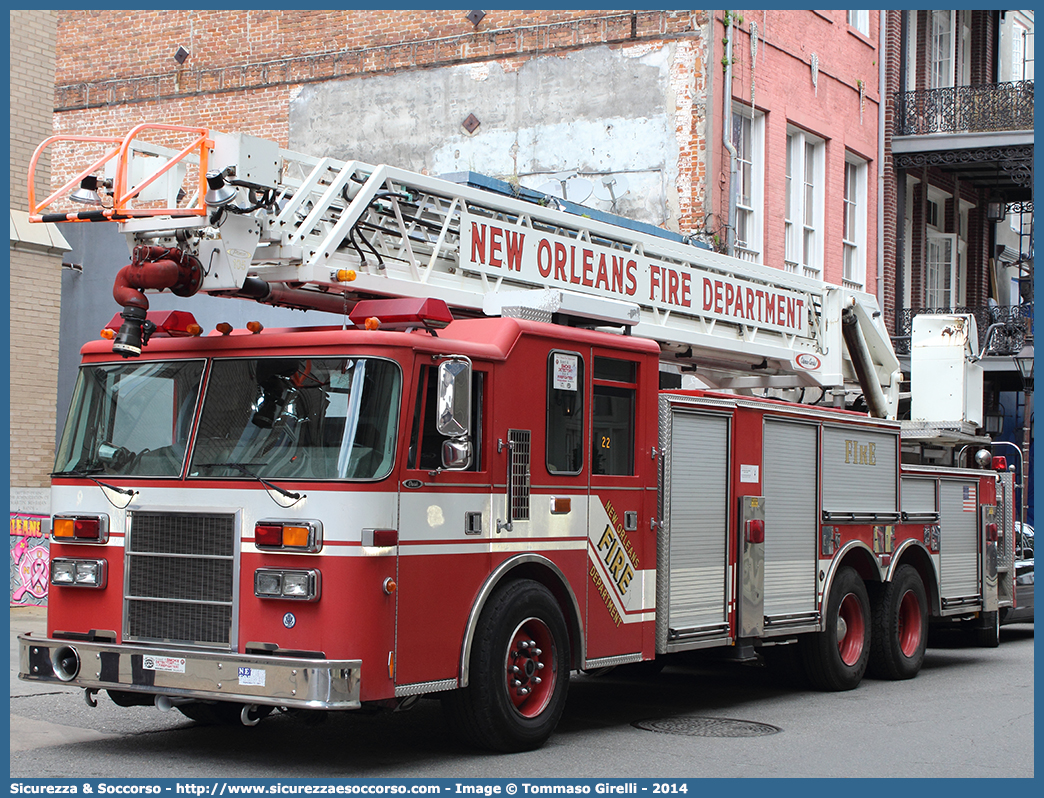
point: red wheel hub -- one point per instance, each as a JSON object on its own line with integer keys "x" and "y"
{"x": 531, "y": 667}
{"x": 910, "y": 627}
{"x": 851, "y": 629}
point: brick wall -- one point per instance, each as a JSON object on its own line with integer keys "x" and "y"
{"x": 142, "y": 43}
{"x": 246, "y": 67}
{"x": 35, "y": 273}
{"x": 892, "y": 20}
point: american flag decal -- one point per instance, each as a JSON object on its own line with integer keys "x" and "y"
{"x": 968, "y": 503}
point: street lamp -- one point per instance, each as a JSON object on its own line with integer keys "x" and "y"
{"x": 1024, "y": 363}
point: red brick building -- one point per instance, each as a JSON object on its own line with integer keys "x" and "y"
{"x": 804, "y": 106}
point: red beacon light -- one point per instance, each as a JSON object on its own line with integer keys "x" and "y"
{"x": 167, "y": 323}
{"x": 401, "y": 314}
{"x": 1000, "y": 463}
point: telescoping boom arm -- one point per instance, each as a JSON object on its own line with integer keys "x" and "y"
{"x": 235, "y": 215}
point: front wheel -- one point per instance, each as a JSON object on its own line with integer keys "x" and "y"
{"x": 836, "y": 658}
{"x": 519, "y": 672}
{"x": 900, "y": 627}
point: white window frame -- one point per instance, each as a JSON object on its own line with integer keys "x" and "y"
{"x": 750, "y": 155}
{"x": 805, "y": 202}
{"x": 854, "y": 223}
{"x": 860, "y": 20}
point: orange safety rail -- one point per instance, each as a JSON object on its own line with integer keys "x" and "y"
{"x": 34, "y": 209}
{"x": 122, "y": 196}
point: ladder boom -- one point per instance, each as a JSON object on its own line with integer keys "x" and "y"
{"x": 338, "y": 231}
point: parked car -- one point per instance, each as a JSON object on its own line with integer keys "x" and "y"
{"x": 1023, "y": 541}
{"x": 1022, "y": 612}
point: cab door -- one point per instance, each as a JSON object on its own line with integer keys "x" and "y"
{"x": 445, "y": 529}
{"x": 619, "y": 597}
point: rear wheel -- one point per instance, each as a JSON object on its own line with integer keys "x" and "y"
{"x": 836, "y": 658}
{"x": 899, "y": 634}
{"x": 519, "y": 672}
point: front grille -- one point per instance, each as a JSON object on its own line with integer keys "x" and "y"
{"x": 180, "y": 578}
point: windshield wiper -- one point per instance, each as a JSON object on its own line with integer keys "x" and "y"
{"x": 85, "y": 473}
{"x": 242, "y": 468}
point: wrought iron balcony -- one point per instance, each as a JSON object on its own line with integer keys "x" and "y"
{"x": 1006, "y": 339}
{"x": 965, "y": 109}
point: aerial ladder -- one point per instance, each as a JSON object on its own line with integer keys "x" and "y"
{"x": 234, "y": 215}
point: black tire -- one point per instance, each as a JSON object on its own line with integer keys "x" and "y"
{"x": 836, "y": 658}
{"x": 899, "y": 631}
{"x": 221, "y": 713}
{"x": 987, "y": 634}
{"x": 521, "y": 627}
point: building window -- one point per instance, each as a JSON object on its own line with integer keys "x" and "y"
{"x": 940, "y": 285}
{"x": 860, "y": 20}
{"x": 931, "y": 213}
{"x": 803, "y": 223}
{"x": 942, "y": 47}
{"x": 854, "y": 232}
{"x": 747, "y": 138}
{"x": 1021, "y": 52}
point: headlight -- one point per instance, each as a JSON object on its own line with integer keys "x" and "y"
{"x": 78, "y": 573}
{"x": 63, "y": 572}
{"x": 274, "y": 583}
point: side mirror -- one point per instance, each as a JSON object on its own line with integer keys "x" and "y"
{"x": 456, "y": 454}
{"x": 454, "y": 400}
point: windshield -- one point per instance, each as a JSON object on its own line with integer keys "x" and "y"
{"x": 299, "y": 418}
{"x": 130, "y": 419}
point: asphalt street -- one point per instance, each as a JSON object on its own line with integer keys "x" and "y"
{"x": 968, "y": 714}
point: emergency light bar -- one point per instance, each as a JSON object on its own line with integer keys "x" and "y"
{"x": 168, "y": 324}
{"x": 401, "y": 314}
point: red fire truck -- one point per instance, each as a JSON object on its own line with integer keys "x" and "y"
{"x": 480, "y": 472}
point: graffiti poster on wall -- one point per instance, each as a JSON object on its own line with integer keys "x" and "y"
{"x": 29, "y": 563}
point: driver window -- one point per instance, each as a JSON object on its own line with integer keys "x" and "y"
{"x": 425, "y": 440}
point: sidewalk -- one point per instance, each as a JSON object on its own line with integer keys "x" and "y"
{"x": 29, "y": 733}
{"x": 25, "y": 619}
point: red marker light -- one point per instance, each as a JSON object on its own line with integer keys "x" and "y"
{"x": 756, "y": 531}
{"x": 268, "y": 535}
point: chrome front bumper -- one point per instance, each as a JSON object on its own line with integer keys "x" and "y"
{"x": 187, "y": 673}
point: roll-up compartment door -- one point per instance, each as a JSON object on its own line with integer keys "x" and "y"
{"x": 919, "y": 495}
{"x": 959, "y": 535}
{"x": 791, "y": 511}
{"x": 860, "y": 471}
{"x": 696, "y": 505}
